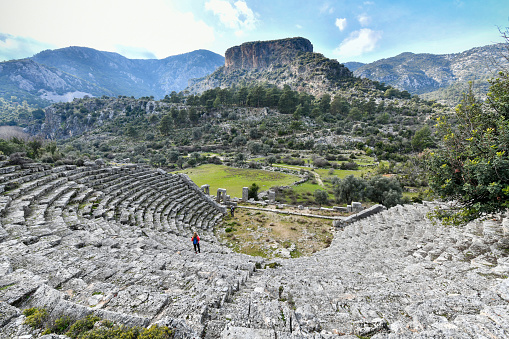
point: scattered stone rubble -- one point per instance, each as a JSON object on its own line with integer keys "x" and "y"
{"x": 115, "y": 242}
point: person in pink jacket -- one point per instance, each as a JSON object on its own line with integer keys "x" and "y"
{"x": 196, "y": 242}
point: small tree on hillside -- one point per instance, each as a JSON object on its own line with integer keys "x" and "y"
{"x": 252, "y": 192}
{"x": 383, "y": 190}
{"x": 349, "y": 189}
{"x": 471, "y": 166}
{"x": 321, "y": 197}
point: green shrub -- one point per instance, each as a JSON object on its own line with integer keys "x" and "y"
{"x": 123, "y": 332}
{"x": 81, "y": 326}
{"x": 35, "y": 317}
{"x": 61, "y": 325}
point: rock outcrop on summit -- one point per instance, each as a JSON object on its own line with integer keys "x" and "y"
{"x": 282, "y": 62}
{"x": 262, "y": 54}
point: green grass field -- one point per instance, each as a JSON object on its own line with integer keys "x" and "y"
{"x": 233, "y": 179}
{"x": 324, "y": 172}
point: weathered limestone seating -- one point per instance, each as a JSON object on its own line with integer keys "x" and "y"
{"x": 77, "y": 247}
{"x": 391, "y": 275}
{"x": 114, "y": 241}
{"x": 361, "y": 215}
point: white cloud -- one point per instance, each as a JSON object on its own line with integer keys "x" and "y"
{"x": 358, "y": 43}
{"x": 153, "y": 25}
{"x": 326, "y": 8}
{"x": 341, "y": 23}
{"x": 13, "y": 47}
{"x": 364, "y": 20}
{"x": 299, "y": 26}
{"x": 237, "y": 16}
{"x": 368, "y": 3}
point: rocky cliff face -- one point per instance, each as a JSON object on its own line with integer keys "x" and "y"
{"x": 289, "y": 62}
{"x": 262, "y": 54}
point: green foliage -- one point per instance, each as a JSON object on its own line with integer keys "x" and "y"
{"x": 60, "y": 326}
{"x": 272, "y": 265}
{"x": 86, "y": 328}
{"x": 471, "y": 166}
{"x": 324, "y": 103}
{"x": 157, "y": 332}
{"x": 349, "y": 189}
{"x": 321, "y": 196}
{"x": 252, "y": 192}
{"x": 379, "y": 189}
{"x": 109, "y": 331}
{"x": 35, "y": 317}
{"x": 383, "y": 190}
{"x": 19, "y": 112}
{"x": 422, "y": 139}
{"x": 81, "y": 326}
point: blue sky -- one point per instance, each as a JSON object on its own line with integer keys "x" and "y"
{"x": 346, "y": 30}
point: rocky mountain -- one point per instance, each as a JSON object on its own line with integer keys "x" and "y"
{"x": 39, "y": 84}
{"x": 280, "y": 62}
{"x": 261, "y": 55}
{"x": 62, "y": 74}
{"x": 353, "y": 65}
{"x": 443, "y": 77}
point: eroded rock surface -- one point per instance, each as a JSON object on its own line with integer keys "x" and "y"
{"x": 115, "y": 242}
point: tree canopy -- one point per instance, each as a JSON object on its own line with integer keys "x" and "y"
{"x": 471, "y": 166}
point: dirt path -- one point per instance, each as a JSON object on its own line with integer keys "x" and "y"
{"x": 291, "y": 213}
{"x": 317, "y": 176}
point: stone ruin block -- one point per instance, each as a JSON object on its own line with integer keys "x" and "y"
{"x": 340, "y": 209}
{"x": 227, "y": 198}
{"x": 245, "y": 193}
{"x": 221, "y": 195}
{"x": 349, "y": 208}
{"x": 300, "y": 207}
{"x": 356, "y": 207}
{"x": 337, "y": 223}
{"x": 206, "y": 189}
{"x": 272, "y": 196}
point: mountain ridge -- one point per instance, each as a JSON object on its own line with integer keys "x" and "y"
{"x": 95, "y": 73}
{"x": 436, "y": 76}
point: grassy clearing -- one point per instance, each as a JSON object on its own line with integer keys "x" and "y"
{"x": 292, "y": 167}
{"x": 324, "y": 173}
{"x": 233, "y": 179}
{"x": 267, "y": 234}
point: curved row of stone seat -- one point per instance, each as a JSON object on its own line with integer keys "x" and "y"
{"x": 98, "y": 264}
{"x": 135, "y": 276}
{"x": 373, "y": 281}
{"x": 115, "y": 241}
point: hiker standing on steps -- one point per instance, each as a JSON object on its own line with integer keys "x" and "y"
{"x": 232, "y": 210}
{"x": 196, "y": 242}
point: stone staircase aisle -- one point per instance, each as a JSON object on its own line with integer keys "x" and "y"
{"x": 391, "y": 275}
{"x": 115, "y": 242}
